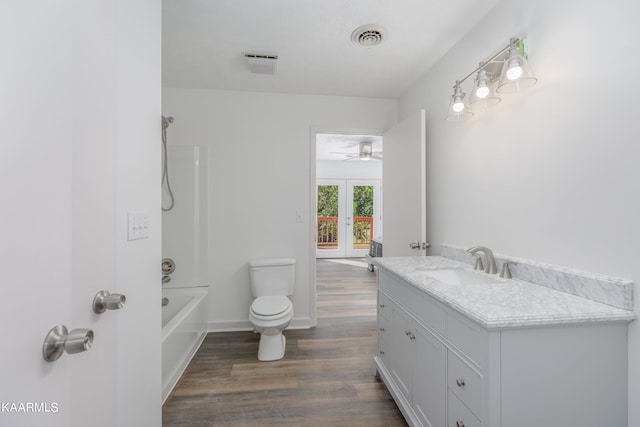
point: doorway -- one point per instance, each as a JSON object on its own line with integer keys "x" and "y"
{"x": 348, "y": 215}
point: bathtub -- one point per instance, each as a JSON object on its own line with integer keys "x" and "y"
{"x": 184, "y": 326}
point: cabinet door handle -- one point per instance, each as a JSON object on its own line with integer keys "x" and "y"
{"x": 459, "y": 424}
{"x": 460, "y": 382}
{"x": 381, "y": 305}
{"x": 381, "y": 329}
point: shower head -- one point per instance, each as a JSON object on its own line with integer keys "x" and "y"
{"x": 166, "y": 121}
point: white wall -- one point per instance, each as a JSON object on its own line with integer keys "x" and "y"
{"x": 550, "y": 174}
{"x": 260, "y": 175}
{"x": 356, "y": 169}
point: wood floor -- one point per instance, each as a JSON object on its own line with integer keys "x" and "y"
{"x": 325, "y": 379}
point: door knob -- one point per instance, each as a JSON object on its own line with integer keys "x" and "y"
{"x": 417, "y": 245}
{"x": 104, "y": 301}
{"x": 59, "y": 340}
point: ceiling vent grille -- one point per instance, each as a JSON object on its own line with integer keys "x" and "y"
{"x": 260, "y": 63}
{"x": 368, "y": 35}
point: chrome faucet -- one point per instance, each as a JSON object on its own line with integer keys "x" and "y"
{"x": 491, "y": 262}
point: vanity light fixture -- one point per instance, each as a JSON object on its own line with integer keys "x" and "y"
{"x": 514, "y": 76}
{"x": 457, "y": 108}
{"x": 483, "y": 95}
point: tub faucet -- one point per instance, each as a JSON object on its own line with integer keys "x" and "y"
{"x": 491, "y": 262}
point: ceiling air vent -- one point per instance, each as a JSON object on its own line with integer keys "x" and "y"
{"x": 368, "y": 35}
{"x": 260, "y": 63}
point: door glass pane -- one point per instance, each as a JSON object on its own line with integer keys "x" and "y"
{"x": 362, "y": 216}
{"x": 327, "y": 217}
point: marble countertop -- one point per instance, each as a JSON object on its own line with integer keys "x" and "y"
{"x": 507, "y": 304}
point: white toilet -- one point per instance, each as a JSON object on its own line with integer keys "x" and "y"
{"x": 271, "y": 311}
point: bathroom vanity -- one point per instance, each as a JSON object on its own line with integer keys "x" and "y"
{"x": 462, "y": 348}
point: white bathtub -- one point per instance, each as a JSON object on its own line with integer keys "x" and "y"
{"x": 184, "y": 326}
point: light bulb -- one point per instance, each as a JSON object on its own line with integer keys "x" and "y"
{"x": 458, "y": 106}
{"x": 482, "y": 91}
{"x": 514, "y": 72}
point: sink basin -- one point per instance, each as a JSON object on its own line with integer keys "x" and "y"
{"x": 459, "y": 276}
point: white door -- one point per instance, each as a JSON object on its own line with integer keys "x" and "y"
{"x": 330, "y": 241}
{"x": 60, "y": 222}
{"x": 348, "y": 216}
{"x": 362, "y": 215}
{"x": 404, "y": 181}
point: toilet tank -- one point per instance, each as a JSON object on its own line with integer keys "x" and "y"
{"x": 272, "y": 276}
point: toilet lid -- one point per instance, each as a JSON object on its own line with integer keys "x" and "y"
{"x": 271, "y": 305}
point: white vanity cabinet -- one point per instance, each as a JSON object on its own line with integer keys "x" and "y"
{"x": 417, "y": 363}
{"x": 445, "y": 370}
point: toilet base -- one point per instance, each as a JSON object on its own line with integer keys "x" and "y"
{"x": 271, "y": 347}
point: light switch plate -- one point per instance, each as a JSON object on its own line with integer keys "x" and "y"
{"x": 138, "y": 225}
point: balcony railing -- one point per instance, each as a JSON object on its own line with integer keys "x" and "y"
{"x": 327, "y": 232}
{"x": 328, "y": 237}
{"x": 362, "y": 231}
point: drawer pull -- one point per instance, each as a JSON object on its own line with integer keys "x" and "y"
{"x": 381, "y": 329}
{"x": 381, "y": 305}
{"x": 460, "y": 382}
{"x": 459, "y": 424}
{"x": 382, "y": 352}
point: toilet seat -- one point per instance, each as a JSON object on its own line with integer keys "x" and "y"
{"x": 271, "y": 307}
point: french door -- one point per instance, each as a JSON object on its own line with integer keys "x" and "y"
{"x": 348, "y": 217}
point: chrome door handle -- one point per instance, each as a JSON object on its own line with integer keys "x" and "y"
{"x": 417, "y": 245}
{"x": 104, "y": 301}
{"x": 59, "y": 340}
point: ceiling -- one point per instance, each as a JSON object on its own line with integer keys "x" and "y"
{"x": 343, "y": 147}
{"x": 204, "y": 42}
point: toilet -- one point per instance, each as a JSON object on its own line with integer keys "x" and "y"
{"x": 271, "y": 311}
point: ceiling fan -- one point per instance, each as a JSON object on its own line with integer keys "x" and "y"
{"x": 365, "y": 152}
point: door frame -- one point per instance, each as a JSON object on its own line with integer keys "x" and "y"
{"x": 313, "y": 208}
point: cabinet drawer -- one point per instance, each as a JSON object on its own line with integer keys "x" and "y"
{"x": 420, "y": 305}
{"x": 384, "y": 306}
{"x": 459, "y": 415}
{"x": 465, "y": 337}
{"x": 465, "y": 383}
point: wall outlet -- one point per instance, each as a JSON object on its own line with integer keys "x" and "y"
{"x": 138, "y": 225}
